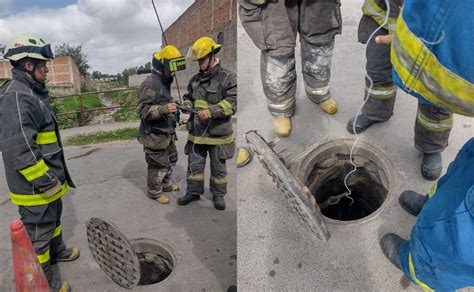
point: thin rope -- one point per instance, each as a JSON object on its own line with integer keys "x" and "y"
{"x": 359, "y": 111}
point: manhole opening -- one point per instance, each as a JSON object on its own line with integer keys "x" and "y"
{"x": 368, "y": 185}
{"x": 156, "y": 261}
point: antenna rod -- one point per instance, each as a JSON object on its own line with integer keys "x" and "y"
{"x": 166, "y": 43}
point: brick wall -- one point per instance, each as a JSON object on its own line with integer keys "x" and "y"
{"x": 63, "y": 76}
{"x": 205, "y": 18}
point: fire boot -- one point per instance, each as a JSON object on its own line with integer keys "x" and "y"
{"x": 282, "y": 126}
{"x": 391, "y": 244}
{"x": 412, "y": 202}
{"x": 329, "y": 106}
{"x": 163, "y": 200}
{"x": 363, "y": 123}
{"x": 244, "y": 157}
{"x": 158, "y": 196}
{"x": 431, "y": 166}
{"x": 188, "y": 198}
{"x": 66, "y": 255}
{"x": 218, "y": 202}
{"x": 59, "y": 286}
{"x": 171, "y": 187}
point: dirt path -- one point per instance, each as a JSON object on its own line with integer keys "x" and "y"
{"x": 106, "y": 116}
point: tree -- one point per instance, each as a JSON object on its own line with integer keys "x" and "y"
{"x": 100, "y": 75}
{"x": 143, "y": 69}
{"x": 76, "y": 54}
{"x": 125, "y": 73}
{"x": 96, "y": 74}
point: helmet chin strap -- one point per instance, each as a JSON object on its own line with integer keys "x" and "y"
{"x": 32, "y": 71}
{"x": 208, "y": 67}
{"x": 35, "y": 66}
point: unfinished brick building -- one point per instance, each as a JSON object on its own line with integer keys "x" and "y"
{"x": 203, "y": 18}
{"x": 206, "y": 18}
{"x": 63, "y": 76}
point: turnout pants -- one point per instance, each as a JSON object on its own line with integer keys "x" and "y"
{"x": 273, "y": 28}
{"x": 433, "y": 124}
{"x": 43, "y": 225}
{"x": 218, "y": 154}
{"x": 159, "y": 168}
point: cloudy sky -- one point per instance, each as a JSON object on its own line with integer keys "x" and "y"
{"x": 116, "y": 34}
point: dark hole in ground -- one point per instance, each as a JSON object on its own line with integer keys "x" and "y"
{"x": 153, "y": 268}
{"x": 326, "y": 181}
{"x": 156, "y": 262}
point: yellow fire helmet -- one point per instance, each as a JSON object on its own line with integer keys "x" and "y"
{"x": 169, "y": 57}
{"x": 25, "y": 45}
{"x": 203, "y": 47}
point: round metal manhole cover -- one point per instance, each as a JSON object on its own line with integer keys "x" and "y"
{"x": 113, "y": 252}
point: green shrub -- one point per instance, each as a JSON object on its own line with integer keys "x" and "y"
{"x": 125, "y": 114}
{"x": 72, "y": 103}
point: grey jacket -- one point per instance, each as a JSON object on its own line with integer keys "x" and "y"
{"x": 216, "y": 91}
{"x": 30, "y": 142}
{"x": 157, "y": 125}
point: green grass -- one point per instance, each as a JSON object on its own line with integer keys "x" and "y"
{"x": 102, "y": 137}
{"x": 125, "y": 114}
{"x": 124, "y": 97}
{"x": 72, "y": 103}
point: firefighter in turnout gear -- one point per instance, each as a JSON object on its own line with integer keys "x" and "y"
{"x": 35, "y": 167}
{"x": 213, "y": 95}
{"x": 433, "y": 123}
{"x": 273, "y": 26}
{"x": 432, "y": 60}
{"x": 157, "y": 112}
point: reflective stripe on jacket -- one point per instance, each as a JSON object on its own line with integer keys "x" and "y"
{"x": 215, "y": 91}
{"x": 432, "y": 53}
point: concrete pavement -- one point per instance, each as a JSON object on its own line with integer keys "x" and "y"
{"x": 111, "y": 180}
{"x": 274, "y": 251}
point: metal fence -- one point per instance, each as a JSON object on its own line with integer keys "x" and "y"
{"x": 81, "y": 111}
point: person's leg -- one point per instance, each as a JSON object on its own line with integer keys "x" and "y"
{"x": 381, "y": 96}
{"x": 157, "y": 169}
{"x": 273, "y": 28}
{"x": 318, "y": 23}
{"x": 277, "y": 68}
{"x": 168, "y": 184}
{"x": 218, "y": 179}
{"x": 40, "y": 224}
{"x": 432, "y": 129}
{"x": 195, "y": 174}
{"x": 316, "y": 64}
{"x": 40, "y": 236}
{"x": 58, "y": 250}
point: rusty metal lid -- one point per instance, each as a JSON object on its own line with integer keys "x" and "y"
{"x": 113, "y": 252}
{"x": 298, "y": 197}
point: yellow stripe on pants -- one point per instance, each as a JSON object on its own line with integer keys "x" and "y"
{"x": 413, "y": 275}
{"x": 44, "y": 257}
{"x": 57, "y": 231}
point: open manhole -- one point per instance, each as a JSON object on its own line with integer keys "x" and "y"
{"x": 139, "y": 261}
{"x": 312, "y": 183}
{"x": 155, "y": 258}
{"x": 323, "y": 171}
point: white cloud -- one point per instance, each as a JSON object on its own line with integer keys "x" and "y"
{"x": 116, "y": 34}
